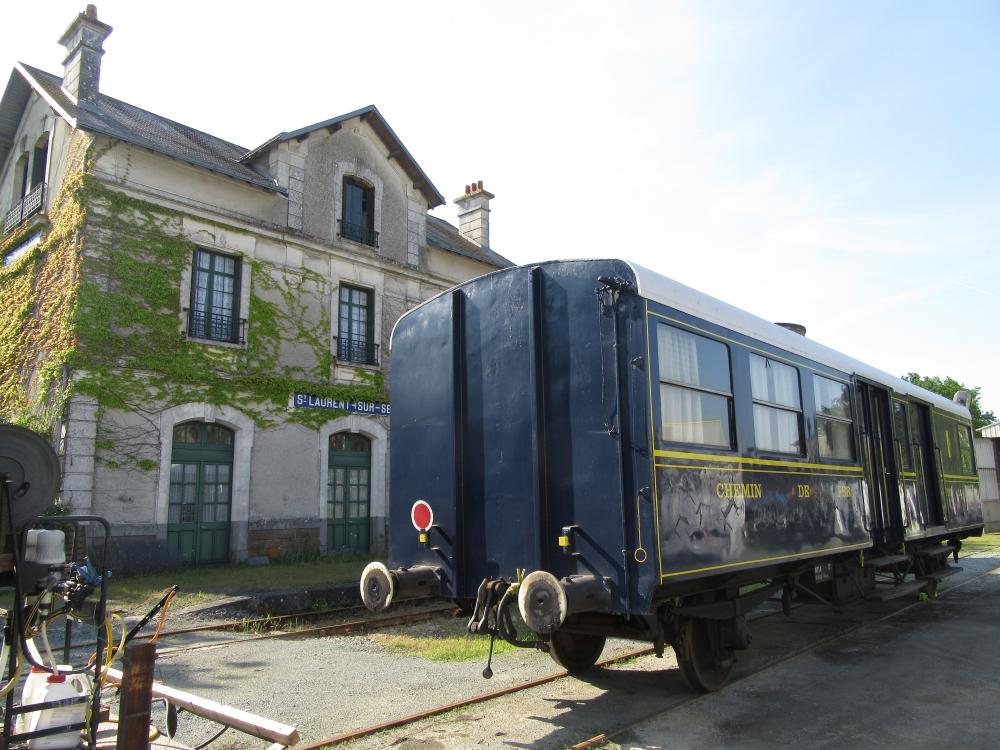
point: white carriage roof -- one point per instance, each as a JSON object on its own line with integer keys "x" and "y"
{"x": 680, "y": 297}
{"x": 666, "y": 291}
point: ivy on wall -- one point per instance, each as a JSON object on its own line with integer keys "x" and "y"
{"x": 95, "y": 309}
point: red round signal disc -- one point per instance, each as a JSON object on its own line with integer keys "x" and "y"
{"x": 421, "y": 515}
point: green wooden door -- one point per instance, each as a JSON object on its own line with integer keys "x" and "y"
{"x": 201, "y": 482}
{"x": 348, "y": 493}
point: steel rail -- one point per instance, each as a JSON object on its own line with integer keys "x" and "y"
{"x": 603, "y": 738}
{"x": 349, "y": 627}
{"x": 343, "y": 628}
{"x": 481, "y": 698}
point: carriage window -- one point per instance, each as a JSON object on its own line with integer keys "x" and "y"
{"x": 946, "y": 444}
{"x": 900, "y": 423}
{"x": 965, "y": 449}
{"x": 696, "y": 394}
{"x": 777, "y": 406}
{"x": 833, "y": 418}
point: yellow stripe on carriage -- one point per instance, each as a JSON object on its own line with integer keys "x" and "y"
{"x": 865, "y": 545}
{"x": 776, "y": 472}
{"x": 762, "y": 461}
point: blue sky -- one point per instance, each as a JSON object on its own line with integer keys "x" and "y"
{"x": 833, "y": 163}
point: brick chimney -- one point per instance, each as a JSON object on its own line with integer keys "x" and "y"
{"x": 84, "y": 40}
{"x": 474, "y": 214}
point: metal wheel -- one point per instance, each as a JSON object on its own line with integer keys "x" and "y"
{"x": 575, "y": 652}
{"x": 704, "y": 661}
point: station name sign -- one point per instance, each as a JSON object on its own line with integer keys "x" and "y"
{"x": 375, "y": 408}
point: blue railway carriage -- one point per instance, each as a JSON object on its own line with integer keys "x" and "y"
{"x": 607, "y": 452}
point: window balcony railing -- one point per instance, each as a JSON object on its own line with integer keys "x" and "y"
{"x": 216, "y": 327}
{"x": 360, "y": 351}
{"x": 31, "y": 204}
{"x": 358, "y": 233}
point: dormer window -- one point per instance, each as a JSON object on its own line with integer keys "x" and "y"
{"x": 357, "y": 221}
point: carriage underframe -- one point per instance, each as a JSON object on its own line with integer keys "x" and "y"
{"x": 703, "y": 619}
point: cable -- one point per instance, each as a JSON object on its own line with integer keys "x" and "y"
{"x": 206, "y": 744}
{"x": 121, "y": 643}
{"x": 163, "y": 614}
{"x": 45, "y": 642}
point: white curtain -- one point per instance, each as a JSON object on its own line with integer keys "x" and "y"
{"x": 776, "y": 429}
{"x": 678, "y": 355}
{"x": 774, "y": 382}
{"x": 682, "y": 413}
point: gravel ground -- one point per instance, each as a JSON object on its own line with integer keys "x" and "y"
{"x": 327, "y": 686}
{"x": 331, "y": 685}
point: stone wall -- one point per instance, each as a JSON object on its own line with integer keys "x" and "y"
{"x": 283, "y": 542}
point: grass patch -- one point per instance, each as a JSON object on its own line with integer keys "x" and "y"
{"x": 202, "y": 585}
{"x": 981, "y": 543}
{"x": 445, "y": 648}
{"x": 448, "y": 641}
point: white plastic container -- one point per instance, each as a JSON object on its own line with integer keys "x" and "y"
{"x": 45, "y": 547}
{"x": 29, "y": 694}
{"x": 57, "y": 687}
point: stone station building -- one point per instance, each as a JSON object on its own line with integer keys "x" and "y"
{"x": 203, "y": 328}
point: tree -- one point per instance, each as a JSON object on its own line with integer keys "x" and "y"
{"x": 948, "y": 387}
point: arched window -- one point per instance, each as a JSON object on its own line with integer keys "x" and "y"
{"x": 20, "y": 179}
{"x": 201, "y": 481}
{"x": 39, "y": 160}
{"x": 349, "y": 492}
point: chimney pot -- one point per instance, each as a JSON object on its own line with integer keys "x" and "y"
{"x": 92, "y": 12}
{"x": 474, "y": 214}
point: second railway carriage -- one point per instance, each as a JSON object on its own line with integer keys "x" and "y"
{"x": 612, "y": 453}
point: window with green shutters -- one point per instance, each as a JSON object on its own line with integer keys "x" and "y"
{"x": 215, "y": 297}
{"x": 356, "y": 326}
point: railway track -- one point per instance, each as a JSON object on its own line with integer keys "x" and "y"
{"x": 351, "y": 627}
{"x": 359, "y": 624}
{"x": 604, "y": 738}
{"x": 482, "y": 698}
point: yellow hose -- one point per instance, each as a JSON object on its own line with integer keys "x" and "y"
{"x": 163, "y": 615}
{"x": 14, "y": 677}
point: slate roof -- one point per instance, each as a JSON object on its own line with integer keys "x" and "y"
{"x": 118, "y": 119}
{"x": 444, "y": 236}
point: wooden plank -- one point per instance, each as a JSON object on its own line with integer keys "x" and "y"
{"x": 245, "y": 721}
{"x": 136, "y": 696}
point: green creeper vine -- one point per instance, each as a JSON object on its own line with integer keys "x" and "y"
{"x": 95, "y": 309}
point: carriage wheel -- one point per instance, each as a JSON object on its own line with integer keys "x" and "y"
{"x": 704, "y": 661}
{"x": 575, "y": 652}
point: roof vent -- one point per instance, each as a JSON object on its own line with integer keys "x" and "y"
{"x": 794, "y": 328}
{"x": 962, "y": 397}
